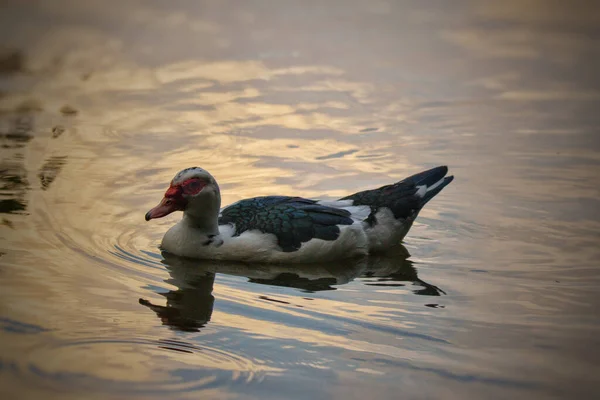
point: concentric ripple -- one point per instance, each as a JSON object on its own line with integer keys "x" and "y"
{"x": 135, "y": 366}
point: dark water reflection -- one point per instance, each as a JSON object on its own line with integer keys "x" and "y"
{"x": 99, "y": 106}
{"x": 190, "y": 306}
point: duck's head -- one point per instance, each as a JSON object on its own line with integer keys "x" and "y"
{"x": 193, "y": 191}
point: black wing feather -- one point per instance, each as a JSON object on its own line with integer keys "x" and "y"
{"x": 293, "y": 220}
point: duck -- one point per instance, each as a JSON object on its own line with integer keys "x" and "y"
{"x": 291, "y": 229}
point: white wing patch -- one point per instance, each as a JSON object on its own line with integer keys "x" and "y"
{"x": 438, "y": 183}
{"x": 357, "y": 213}
{"x": 336, "y": 203}
{"x": 423, "y": 189}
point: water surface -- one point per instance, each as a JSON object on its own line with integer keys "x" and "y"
{"x": 494, "y": 294}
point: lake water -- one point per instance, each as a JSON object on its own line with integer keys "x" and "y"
{"x": 495, "y": 294}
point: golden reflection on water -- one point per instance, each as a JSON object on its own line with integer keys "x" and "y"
{"x": 319, "y": 103}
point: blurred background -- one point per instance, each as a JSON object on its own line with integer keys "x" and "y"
{"x": 495, "y": 295}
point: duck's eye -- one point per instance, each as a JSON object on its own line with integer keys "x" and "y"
{"x": 193, "y": 186}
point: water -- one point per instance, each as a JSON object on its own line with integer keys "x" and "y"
{"x": 496, "y": 295}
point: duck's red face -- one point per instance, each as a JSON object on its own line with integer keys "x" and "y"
{"x": 176, "y": 198}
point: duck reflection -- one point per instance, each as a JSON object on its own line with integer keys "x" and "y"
{"x": 190, "y": 306}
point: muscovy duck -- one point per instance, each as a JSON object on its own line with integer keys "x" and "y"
{"x": 287, "y": 229}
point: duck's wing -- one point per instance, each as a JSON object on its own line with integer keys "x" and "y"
{"x": 293, "y": 220}
{"x": 404, "y": 198}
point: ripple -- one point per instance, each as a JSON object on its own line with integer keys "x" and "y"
{"x": 120, "y": 252}
{"x": 134, "y": 366}
{"x": 130, "y": 256}
{"x": 13, "y": 326}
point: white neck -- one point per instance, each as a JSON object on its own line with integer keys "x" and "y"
{"x": 202, "y": 213}
{"x": 207, "y": 223}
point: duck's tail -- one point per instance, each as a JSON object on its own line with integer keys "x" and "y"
{"x": 430, "y": 182}
{"x": 404, "y": 198}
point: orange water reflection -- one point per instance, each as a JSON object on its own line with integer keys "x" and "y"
{"x": 313, "y": 101}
